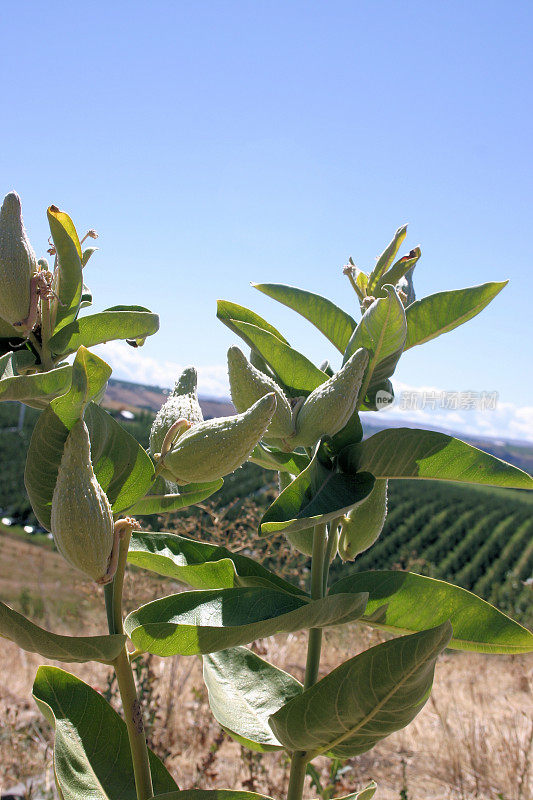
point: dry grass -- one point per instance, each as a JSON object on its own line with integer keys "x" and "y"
{"x": 472, "y": 740}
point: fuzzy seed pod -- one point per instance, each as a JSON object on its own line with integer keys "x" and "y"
{"x": 363, "y": 524}
{"x": 210, "y": 450}
{"x": 249, "y": 384}
{"x": 182, "y": 403}
{"x": 329, "y": 407}
{"x": 17, "y": 262}
{"x": 82, "y": 521}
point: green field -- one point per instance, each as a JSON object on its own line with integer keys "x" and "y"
{"x": 478, "y": 538}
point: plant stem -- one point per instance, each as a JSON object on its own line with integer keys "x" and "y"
{"x": 46, "y": 356}
{"x": 314, "y": 646}
{"x": 126, "y": 682}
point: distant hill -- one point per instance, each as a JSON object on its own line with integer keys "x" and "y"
{"x": 122, "y": 395}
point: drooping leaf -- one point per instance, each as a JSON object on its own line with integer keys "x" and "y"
{"x": 444, "y": 311}
{"x": 230, "y": 313}
{"x": 122, "y": 467}
{"x": 44, "y": 386}
{"x": 317, "y": 495}
{"x": 33, "y": 639}
{"x": 382, "y": 330}
{"x": 103, "y": 327}
{"x": 89, "y": 379}
{"x": 412, "y": 453}
{"x": 198, "y": 622}
{"x": 89, "y": 375}
{"x": 332, "y": 321}
{"x": 92, "y": 757}
{"x": 386, "y": 259}
{"x": 162, "y": 502}
{"x": 272, "y": 458}
{"x": 244, "y": 691}
{"x": 70, "y": 277}
{"x": 200, "y": 564}
{"x": 365, "y": 699}
{"x": 403, "y": 602}
{"x": 297, "y": 374}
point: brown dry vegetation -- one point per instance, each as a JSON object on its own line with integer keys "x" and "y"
{"x": 473, "y": 739}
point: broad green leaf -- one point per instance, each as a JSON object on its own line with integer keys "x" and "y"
{"x": 382, "y": 330}
{"x": 33, "y": 639}
{"x": 123, "y": 469}
{"x": 317, "y": 495}
{"x": 89, "y": 375}
{"x": 193, "y": 623}
{"x": 332, "y": 321}
{"x": 212, "y": 794}
{"x": 244, "y": 691}
{"x": 386, "y": 259}
{"x": 403, "y": 602}
{"x": 271, "y": 458}
{"x": 412, "y": 453}
{"x": 70, "y": 277}
{"x": 103, "y": 327}
{"x": 92, "y": 757}
{"x": 444, "y": 311}
{"x": 398, "y": 270}
{"x": 200, "y": 564}
{"x": 365, "y": 699}
{"x": 229, "y": 313}
{"x": 16, "y": 385}
{"x": 162, "y": 502}
{"x": 296, "y": 372}
{"x": 89, "y": 379}
{"x": 363, "y": 794}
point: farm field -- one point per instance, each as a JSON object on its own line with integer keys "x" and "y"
{"x": 468, "y": 743}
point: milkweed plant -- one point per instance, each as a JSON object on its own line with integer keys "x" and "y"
{"x": 88, "y": 480}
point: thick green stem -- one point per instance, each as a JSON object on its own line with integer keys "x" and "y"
{"x": 126, "y": 682}
{"x": 314, "y": 645}
{"x": 297, "y": 776}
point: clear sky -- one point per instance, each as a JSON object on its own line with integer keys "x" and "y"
{"x": 215, "y": 143}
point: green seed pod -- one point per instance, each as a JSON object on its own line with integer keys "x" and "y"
{"x": 17, "y": 262}
{"x": 249, "y": 384}
{"x": 82, "y": 520}
{"x": 210, "y": 450}
{"x": 182, "y": 403}
{"x": 363, "y": 524}
{"x": 327, "y": 410}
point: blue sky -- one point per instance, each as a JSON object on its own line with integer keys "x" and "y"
{"x": 215, "y": 143}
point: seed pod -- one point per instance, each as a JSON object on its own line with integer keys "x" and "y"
{"x": 82, "y": 521}
{"x": 210, "y": 450}
{"x": 182, "y": 403}
{"x": 249, "y": 384}
{"x": 327, "y": 410}
{"x": 363, "y": 524}
{"x": 17, "y": 262}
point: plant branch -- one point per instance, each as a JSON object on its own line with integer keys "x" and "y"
{"x": 125, "y": 679}
{"x": 319, "y": 567}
